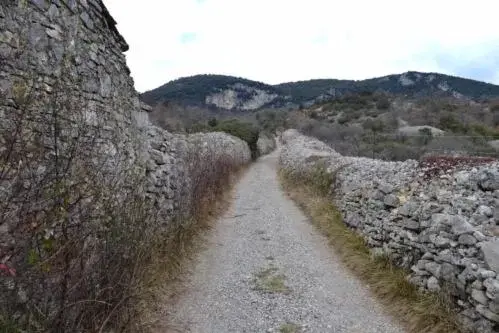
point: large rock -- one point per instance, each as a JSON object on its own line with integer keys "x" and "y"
{"x": 488, "y": 179}
{"x": 491, "y": 254}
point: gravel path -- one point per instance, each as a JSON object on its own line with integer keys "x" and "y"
{"x": 265, "y": 269}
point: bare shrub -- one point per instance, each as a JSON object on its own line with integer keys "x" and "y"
{"x": 78, "y": 235}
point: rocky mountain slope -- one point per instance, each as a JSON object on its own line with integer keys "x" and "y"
{"x": 238, "y": 94}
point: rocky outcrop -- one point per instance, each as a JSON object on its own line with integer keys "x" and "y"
{"x": 241, "y": 97}
{"x": 442, "y": 226}
{"x": 88, "y": 186}
{"x": 416, "y": 130}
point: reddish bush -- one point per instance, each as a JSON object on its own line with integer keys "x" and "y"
{"x": 438, "y": 165}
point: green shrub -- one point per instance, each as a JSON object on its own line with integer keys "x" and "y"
{"x": 383, "y": 104}
{"x": 213, "y": 122}
{"x": 450, "y": 123}
{"x": 244, "y": 130}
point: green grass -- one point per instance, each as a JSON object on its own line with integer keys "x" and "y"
{"x": 418, "y": 311}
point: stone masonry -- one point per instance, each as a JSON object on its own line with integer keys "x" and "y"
{"x": 443, "y": 228}
{"x": 66, "y": 95}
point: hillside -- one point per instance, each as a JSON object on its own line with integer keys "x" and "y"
{"x": 232, "y": 93}
{"x": 395, "y": 127}
{"x": 218, "y": 91}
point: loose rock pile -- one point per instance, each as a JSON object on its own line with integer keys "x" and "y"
{"x": 442, "y": 228}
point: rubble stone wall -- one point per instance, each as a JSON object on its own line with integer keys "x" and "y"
{"x": 442, "y": 226}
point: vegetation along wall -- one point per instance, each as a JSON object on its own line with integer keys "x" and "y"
{"x": 89, "y": 190}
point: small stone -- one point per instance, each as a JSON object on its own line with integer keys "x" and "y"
{"x": 447, "y": 256}
{"x": 485, "y": 211}
{"x": 492, "y": 286}
{"x": 494, "y": 307}
{"x": 467, "y": 240}
{"x": 87, "y": 21}
{"x": 461, "y": 226}
{"x": 432, "y": 284}
{"x": 491, "y": 254}
{"x": 71, "y": 4}
{"x": 411, "y": 224}
{"x": 484, "y": 311}
{"x": 408, "y": 209}
{"x": 486, "y": 274}
{"x": 53, "y": 11}
{"x": 448, "y": 272}
{"x": 478, "y": 285}
{"x": 467, "y": 275}
{"x": 442, "y": 241}
{"x": 489, "y": 179}
{"x": 428, "y": 255}
{"x": 41, "y": 4}
{"x": 377, "y": 195}
{"x": 462, "y": 178}
{"x": 54, "y": 33}
{"x": 386, "y": 188}
{"x": 479, "y": 296}
{"x": 391, "y": 200}
{"x": 433, "y": 268}
{"x": 479, "y": 236}
{"x": 440, "y": 218}
{"x": 105, "y": 85}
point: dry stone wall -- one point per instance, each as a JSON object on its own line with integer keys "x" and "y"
{"x": 265, "y": 144}
{"x": 78, "y": 156}
{"x": 442, "y": 228}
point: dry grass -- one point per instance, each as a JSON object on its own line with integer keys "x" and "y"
{"x": 418, "y": 311}
{"x": 164, "y": 285}
{"x": 289, "y": 328}
{"x": 269, "y": 281}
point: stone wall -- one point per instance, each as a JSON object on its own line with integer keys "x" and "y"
{"x": 265, "y": 144}
{"x": 442, "y": 226}
{"x": 87, "y": 184}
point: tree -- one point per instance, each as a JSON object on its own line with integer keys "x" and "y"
{"x": 495, "y": 114}
{"x": 213, "y": 122}
{"x": 383, "y": 103}
{"x": 425, "y": 135}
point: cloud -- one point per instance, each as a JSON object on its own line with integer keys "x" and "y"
{"x": 483, "y": 65}
{"x": 281, "y": 40}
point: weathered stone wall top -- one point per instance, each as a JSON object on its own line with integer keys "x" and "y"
{"x": 70, "y": 45}
{"x": 443, "y": 228}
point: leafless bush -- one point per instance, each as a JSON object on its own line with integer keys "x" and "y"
{"x": 72, "y": 227}
{"x": 436, "y": 165}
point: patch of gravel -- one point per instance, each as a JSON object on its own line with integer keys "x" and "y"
{"x": 265, "y": 233}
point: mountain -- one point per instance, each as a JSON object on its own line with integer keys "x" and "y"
{"x": 218, "y": 91}
{"x": 239, "y": 94}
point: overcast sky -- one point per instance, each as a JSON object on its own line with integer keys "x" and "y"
{"x": 276, "y": 41}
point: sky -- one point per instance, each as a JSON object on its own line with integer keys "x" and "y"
{"x": 277, "y": 41}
